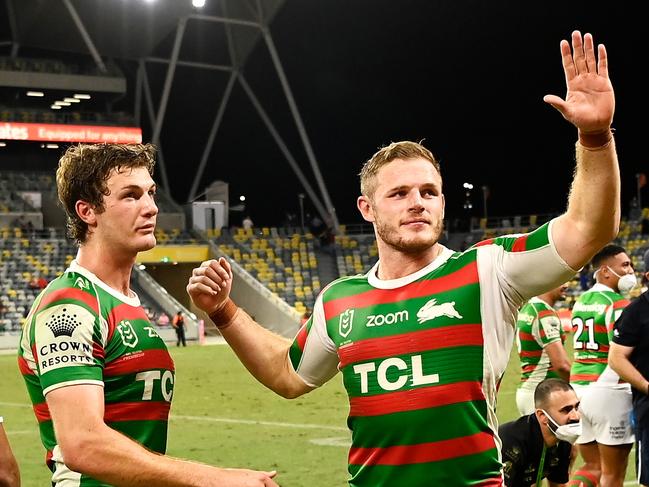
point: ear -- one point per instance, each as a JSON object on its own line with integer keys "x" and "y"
{"x": 443, "y": 205}
{"x": 86, "y": 212}
{"x": 540, "y": 416}
{"x": 364, "y": 205}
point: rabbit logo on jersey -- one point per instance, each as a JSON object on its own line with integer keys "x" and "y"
{"x": 345, "y": 323}
{"x": 64, "y": 337}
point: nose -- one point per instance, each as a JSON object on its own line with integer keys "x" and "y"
{"x": 574, "y": 415}
{"x": 415, "y": 201}
{"x": 150, "y": 206}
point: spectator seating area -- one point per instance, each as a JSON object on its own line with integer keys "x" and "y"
{"x": 11, "y": 182}
{"x": 27, "y": 264}
{"x": 355, "y": 255}
{"x": 284, "y": 260}
{"x": 285, "y": 263}
{"x": 29, "y": 115}
{"x": 55, "y": 66}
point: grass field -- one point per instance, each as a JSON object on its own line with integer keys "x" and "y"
{"x": 222, "y": 416}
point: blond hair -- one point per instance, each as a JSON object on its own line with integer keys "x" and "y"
{"x": 83, "y": 174}
{"x": 396, "y": 150}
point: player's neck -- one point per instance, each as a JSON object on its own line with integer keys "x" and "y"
{"x": 111, "y": 267}
{"x": 547, "y": 299}
{"x": 394, "y": 264}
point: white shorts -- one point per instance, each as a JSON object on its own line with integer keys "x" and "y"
{"x": 606, "y": 415}
{"x": 525, "y": 401}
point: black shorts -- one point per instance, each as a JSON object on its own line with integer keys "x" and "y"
{"x": 642, "y": 453}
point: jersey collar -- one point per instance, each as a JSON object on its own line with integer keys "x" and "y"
{"x": 374, "y": 280}
{"x": 130, "y": 300}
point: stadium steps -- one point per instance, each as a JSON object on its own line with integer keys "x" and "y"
{"x": 327, "y": 268}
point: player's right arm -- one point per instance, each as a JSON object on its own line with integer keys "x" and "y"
{"x": 90, "y": 447}
{"x": 267, "y": 356}
{"x": 559, "y": 359}
{"x": 549, "y": 332}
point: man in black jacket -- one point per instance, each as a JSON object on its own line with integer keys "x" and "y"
{"x": 629, "y": 357}
{"x": 539, "y": 446}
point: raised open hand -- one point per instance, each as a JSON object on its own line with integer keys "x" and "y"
{"x": 590, "y": 101}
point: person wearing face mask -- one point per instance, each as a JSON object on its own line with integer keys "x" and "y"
{"x": 538, "y": 445}
{"x": 629, "y": 357}
{"x": 607, "y": 435}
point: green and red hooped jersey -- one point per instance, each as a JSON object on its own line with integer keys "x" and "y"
{"x": 80, "y": 331}
{"x": 593, "y": 317}
{"x": 537, "y": 326}
{"x": 422, "y": 356}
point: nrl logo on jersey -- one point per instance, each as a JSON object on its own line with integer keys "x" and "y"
{"x": 432, "y": 310}
{"x": 126, "y": 331}
{"x": 345, "y": 322}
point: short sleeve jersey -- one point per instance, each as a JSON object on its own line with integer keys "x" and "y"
{"x": 632, "y": 330}
{"x": 80, "y": 331}
{"x": 422, "y": 356}
{"x": 593, "y": 316}
{"x": 538, "y": 325}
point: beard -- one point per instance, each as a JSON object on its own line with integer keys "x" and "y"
{"x": 419, "y": 242}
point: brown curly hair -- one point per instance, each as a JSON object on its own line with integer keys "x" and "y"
{"x": 396, "y": 150}
{"x": 83, "y": 174}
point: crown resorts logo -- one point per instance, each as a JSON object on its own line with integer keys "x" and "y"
{"x": 63, "y": 323}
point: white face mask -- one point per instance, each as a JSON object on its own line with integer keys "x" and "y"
{"x": 626, "y": 282}
{"x": 565, "y": 432}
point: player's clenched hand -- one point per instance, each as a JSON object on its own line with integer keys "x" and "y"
{"x": 235, "y": 477}
{"x": 210, "y": 284}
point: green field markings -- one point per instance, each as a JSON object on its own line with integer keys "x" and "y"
{"x": 252, "y": 422}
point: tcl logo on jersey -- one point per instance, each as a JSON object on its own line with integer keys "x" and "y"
{"x": 152, "y": 378}
{"x": 417, "y": 378}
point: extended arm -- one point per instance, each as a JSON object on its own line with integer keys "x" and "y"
{"x": 263, "y": 353}
{"x": 90, "y": 447}
{"x": 593, "y": 214}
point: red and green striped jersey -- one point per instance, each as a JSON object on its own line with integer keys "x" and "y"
{"x": 80, "y": 331}
{"x": 421, "y": 358}
{"x": 538, "y": 325}
{"x": 593, "y": 317}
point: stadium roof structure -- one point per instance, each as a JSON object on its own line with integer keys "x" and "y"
{"x": 139, "y": 31}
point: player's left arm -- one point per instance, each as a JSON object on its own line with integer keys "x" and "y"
{"x": 593, "y": 215}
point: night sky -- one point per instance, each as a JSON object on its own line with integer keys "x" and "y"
{"x": 467, "y": 77}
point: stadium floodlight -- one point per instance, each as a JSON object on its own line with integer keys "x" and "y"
{"x": 35, "y": 93}
{"x": 467, "y": 186}
{"x": 55, "y": 107}
{"x": 72, "y": 100}
{"x": 198, "y": 3}
{"x": 82, "y": 96}
{"x": 52, "y": 146}
{"x": 3, "y": 144}
{"x": 62, "y": 103}
{"x": 242, "y": 198}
